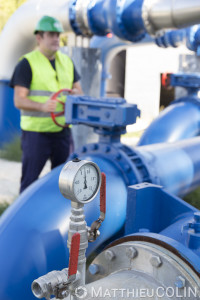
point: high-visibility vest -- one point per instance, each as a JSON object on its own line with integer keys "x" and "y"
{"x": 45, "y": 81}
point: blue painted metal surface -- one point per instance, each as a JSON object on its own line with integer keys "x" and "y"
{"x": 123, "y": 18}
{"x": 173, "y": 165}
{"x": 180, "y": 120}
{"x": 171, "y": 38}
{"x": 33, "y": 231}
{"x": 191, "y": 82}
{"x": 112, "y": 114}
{"x": 166, "y": 217}
{"x": 176, "y": 122}
{"x": 9, "y": 115}
{"x": 193, "y": 38}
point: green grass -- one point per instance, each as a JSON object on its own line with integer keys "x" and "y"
{"x": 12, "y": 151}
{"x": 3, "y": 207}
{"x": 193, "y": 198}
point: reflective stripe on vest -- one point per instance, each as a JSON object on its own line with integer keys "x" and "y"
{"x": 45, "y": 81}
{"x": 44, "y": 93}
{"x": 38, "y": 114}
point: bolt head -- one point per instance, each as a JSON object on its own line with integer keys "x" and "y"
{"x": 118, "y": 157}
{"x": 95, "y": 147}
{"x": 94, "y": 269}
{"x": 84, "y": 149}
{"x": 180, "y": 282}
{"x": 155, "y": 261}
{"x": 107, "y": 149}
{"x": 131, "y": 252}
{"x": 109, "y": 255}
{"x": 64, "y": 294}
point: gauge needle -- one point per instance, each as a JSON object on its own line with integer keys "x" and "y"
{"x": 85, "y": 181}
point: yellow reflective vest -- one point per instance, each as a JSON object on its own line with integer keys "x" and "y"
{"x": 45, "y": 81}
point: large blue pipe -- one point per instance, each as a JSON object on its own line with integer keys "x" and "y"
{"x": 173, "y": 166}
{"x": 33, "y": 231}
{"x": 180, "y": 120}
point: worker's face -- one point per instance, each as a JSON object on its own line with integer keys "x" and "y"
{"x": 49, "y": 42}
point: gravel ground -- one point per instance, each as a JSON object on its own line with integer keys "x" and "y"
{"x": 10, "y": 174}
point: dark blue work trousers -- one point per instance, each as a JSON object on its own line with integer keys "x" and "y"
{"x": 37, "y": 148}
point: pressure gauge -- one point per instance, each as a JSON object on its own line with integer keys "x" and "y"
{"x": 80, "y": 180}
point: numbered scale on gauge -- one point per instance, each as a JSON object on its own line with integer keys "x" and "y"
{"x": 80, "y": 180}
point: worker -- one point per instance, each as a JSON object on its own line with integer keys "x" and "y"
{"x": 37, "y": 75}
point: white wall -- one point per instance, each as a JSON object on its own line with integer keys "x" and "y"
{"x": 142, "y": 87}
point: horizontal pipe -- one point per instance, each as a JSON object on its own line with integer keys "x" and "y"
{"x": 170, "y": 14}
{"x": 173, "y": 166}
{"x": 178, "y": 121}
{"x": 129, "y": 20}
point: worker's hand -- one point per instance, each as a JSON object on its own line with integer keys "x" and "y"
{"x": 74, "y": 91}
{"x": 49, "y": 106}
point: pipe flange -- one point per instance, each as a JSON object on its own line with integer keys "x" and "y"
{"x": 81, "y": 17}
{"x": 147, "y": 4}
{"x": 78, "y": 17}
{"x": 127, "y": 161}
{"x": 125, "y": 33}
{"x": 72, "y": 17}
{"x": 160, "y": 266}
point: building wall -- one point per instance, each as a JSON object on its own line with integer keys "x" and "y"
{"x": 144, "y": 64}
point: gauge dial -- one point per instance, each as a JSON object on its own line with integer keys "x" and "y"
{"x": 86, "y": 182}
{"x": 80, "y": 180}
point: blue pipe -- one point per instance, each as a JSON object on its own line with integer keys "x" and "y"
{"x": 33, "y": 231}
{"x": 180, "y": 120}
{"x": 174, "y": 166}
{"x": 190, "y": 37}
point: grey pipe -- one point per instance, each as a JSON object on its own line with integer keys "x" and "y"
{"x": 163, "y": 14}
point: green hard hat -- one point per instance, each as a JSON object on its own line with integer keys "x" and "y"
{"x": 48, "y": 23}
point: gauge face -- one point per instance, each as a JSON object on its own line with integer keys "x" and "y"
{"x": 86, "y": 182}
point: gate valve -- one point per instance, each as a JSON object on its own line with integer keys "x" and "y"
{"x": 54, "y": 115}
{"x": 60, "y": 283}
{"x": 93, "y": 231}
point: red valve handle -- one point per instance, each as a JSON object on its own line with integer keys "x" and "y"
{"x": 96, "y": 224}
{"x": 74, "y": 252}
{"x": 165, "y": 79}
{"x": 103, "y": 196}
{"x": 54, "y": 114}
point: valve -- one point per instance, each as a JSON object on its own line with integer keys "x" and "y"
{"x": 80, "y": 182}
{"x": 58, "y": 283}
{"x": 93, "y": 231}
{"x": 54, "y": 115}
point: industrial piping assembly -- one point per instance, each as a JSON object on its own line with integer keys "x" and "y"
{"x": 128, "y": 20}
{"x": 40, "y": 234}
{"x": 161, "y": 260}
{"x": 154, "y": 235}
